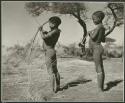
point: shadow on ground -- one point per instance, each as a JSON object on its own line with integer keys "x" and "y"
{"x": 75, "y": 83}
{"x": 90, "y": 58}
{"x": 112, "y": 84}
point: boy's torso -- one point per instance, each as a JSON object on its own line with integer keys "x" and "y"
{"x": 99, "y": 37}
{"x": 50, "y": 42}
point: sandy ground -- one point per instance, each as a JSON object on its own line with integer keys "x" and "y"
{"x": 78, "y": 82}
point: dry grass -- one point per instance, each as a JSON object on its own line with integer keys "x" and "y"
{"x": 30, "y": 82}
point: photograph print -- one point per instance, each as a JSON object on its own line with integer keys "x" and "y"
{"x": 62, "y": 51}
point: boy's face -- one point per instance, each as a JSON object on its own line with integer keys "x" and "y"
{"x": 96, "y": 19}
{"x": 51, "y": 25}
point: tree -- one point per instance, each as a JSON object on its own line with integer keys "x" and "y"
{"x": 115, "y": 10}
{"x": 77, "y": 10}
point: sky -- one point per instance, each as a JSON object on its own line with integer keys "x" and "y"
{"x": 18, "y": 27}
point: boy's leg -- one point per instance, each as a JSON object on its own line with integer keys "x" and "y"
{"x": 99, "y": 67}
{"x": 49, "y": 70}
{"x": 103, "y": 72}
{"x": 100, "y": 79}
{"x": 55, "y": 81}
{"x": 53, "y": 72}
{"x": 57, "y": 76}
{"x": 58, "y": 80}
{"x": 51, "y": 78}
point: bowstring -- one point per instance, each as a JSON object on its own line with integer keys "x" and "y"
{"x": 28, "y": 71}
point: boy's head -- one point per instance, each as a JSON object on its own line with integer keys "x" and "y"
{"x": 54, "y": 21}
{"x": 97, "y": 17}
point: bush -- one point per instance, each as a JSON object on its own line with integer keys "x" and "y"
{"x": 73, "y": 50}
{"x": 113, "y": 51}
{"x": 110, "y": 50}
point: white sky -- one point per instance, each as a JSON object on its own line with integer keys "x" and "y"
{"x": 19, "y": 27}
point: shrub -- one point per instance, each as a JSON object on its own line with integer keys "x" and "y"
{"x": 113, "y": 51}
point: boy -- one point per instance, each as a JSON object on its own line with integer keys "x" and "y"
{"x": 96, "y": 37}
{"x": 49, "y": 41}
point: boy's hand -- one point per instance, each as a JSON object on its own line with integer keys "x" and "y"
{"x": 90, "y": 32}
{"x": 40, "y": 28}
{"x": 43, "y": 31}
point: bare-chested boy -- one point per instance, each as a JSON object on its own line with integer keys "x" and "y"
{"x": 49, "y": 41}
{"x": 96, "y": 37}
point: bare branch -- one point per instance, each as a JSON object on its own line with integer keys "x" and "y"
{"x": 74, "y": 15}
{"x": 83, "y": 24}
{"x": 78, "y": 11}
{"x": 115, "y": 21}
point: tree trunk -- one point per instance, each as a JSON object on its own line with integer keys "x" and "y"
{"x": 115, "y": 17}
{"x": 83, "y": 24}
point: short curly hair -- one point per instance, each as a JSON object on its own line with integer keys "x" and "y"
{"x": 56, "y": 20}
{"x": 99, "y": 14}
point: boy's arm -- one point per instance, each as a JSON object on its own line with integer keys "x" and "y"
{"x": 102, "y": 34}
{"x": 97, "y": 31}
{"x": 102, "y": 31}
{"x": 94, "y": 33}
{"x": 43, "y": 32}
{"x": 49, "y": 34}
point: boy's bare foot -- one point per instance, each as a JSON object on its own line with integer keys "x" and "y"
{"x": 57, "y": 89}
{"x": 100, "y": 90}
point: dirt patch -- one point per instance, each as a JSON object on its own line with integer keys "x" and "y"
{"x": 78, "y": 82}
